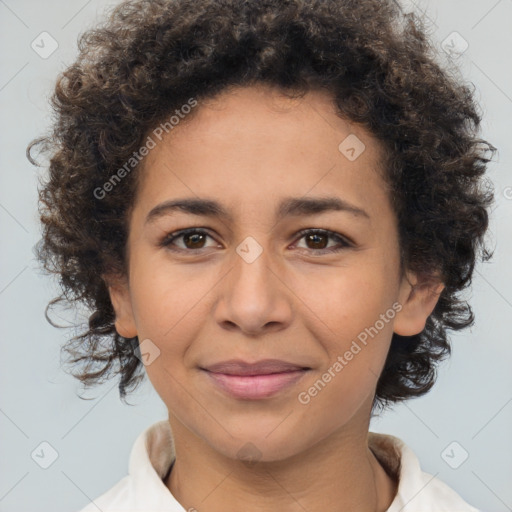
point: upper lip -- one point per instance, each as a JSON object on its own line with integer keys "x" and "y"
{"x": 263, "y": 367}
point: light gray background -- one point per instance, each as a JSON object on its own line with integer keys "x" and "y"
{"x": 470, "y": 404}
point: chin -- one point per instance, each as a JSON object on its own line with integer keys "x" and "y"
{"x": 254, "y": 443}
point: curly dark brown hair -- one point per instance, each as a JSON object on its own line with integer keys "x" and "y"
{"x": 150, "y": 56}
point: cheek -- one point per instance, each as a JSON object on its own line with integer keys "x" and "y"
{"x": 353, "y": 321}
{"x": 345, "y": 300}
{"x": 354, "y": 325}
{"x": 167, "y": 305}
{"x": 166, "y": 298}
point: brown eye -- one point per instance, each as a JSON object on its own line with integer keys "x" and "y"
{"x": 317, "y": 240}
{"x": 193, "y": 239}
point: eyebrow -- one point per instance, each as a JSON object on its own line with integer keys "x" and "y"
{"x": 291, "y": 206}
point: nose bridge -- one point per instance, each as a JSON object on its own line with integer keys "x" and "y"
{"x": 252, "y": 296}
{"x": 253, "y": 263}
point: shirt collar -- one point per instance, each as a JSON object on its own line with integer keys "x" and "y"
{"x": 153, "y": 453}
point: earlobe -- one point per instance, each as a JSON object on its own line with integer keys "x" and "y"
{"x": 121, "y": 302}
{"x": 418, "y": 298}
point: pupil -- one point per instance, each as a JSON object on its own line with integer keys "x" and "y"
{"x": 316, "y": 236}
{"x": 189, "y": 237}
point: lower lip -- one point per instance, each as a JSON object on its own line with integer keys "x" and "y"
{"x": 255, "y": 387}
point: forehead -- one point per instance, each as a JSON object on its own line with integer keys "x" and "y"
{"x": 252, "y": 144}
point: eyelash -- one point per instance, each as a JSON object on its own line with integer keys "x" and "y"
{"x": 166, "y": 242}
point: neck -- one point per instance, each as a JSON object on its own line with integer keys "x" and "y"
{"x": 338, "y": 473}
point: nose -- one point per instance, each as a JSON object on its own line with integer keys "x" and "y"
{"x": 253, "y": 297}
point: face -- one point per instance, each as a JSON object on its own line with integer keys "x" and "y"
{"x": 257, "y": 283}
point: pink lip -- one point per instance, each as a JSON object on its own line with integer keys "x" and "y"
{"x": 255, "y": 387}
{"x": 253, "y": 381}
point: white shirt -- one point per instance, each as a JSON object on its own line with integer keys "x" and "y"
{"x": 143, "y": 489}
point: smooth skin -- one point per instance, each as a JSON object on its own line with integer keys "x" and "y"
{"x": 201, "y": 303}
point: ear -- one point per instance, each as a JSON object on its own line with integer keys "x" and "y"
{"x": 418, "y": 296}
{"x": 121, "y": 301}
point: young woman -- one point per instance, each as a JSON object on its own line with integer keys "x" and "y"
{"x": 271, "y": 207}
